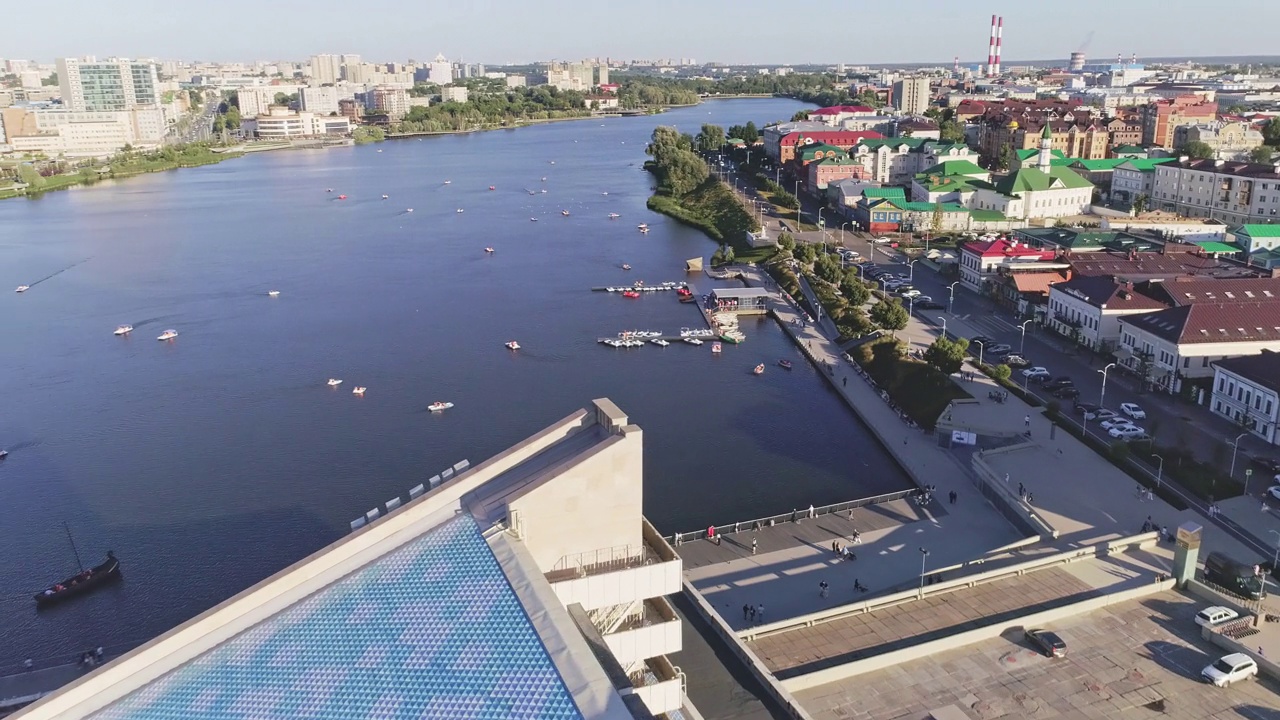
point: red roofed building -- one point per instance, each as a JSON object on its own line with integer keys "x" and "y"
{"x": 981, "y": 261}
{"x": 611, "y": 88}
{"x": 837, "y": 114}
{"x": 843, "y": 139}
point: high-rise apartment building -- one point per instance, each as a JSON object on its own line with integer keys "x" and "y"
{"x": 318, "y": 100}
{"x": 440, "y": 71}
{"x": 254, "y": 101}
{"x": 390, "y": 100}
{"x": 911, "y": 95}
{"x": 108, "y": 86}
{"x": 603, "y": 71}
{"x": 326, "y": 69}
{"x": 572, "y": 76}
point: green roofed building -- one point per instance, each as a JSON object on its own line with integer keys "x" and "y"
{"x": 1044, "y": 191}
{"x": 1261, "y": 244}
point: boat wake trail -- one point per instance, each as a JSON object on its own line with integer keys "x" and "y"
{"x": 48, "y": 277}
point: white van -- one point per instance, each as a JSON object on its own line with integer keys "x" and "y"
{"x": 1215, "y": 615}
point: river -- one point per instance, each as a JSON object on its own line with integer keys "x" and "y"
{"x": 211, "y": 461}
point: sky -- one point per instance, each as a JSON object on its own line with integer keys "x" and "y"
{"x": 742, "y": 31}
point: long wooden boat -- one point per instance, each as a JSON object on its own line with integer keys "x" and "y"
{"x": 81, "y": 583}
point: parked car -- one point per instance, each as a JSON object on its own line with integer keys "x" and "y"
{"x": 1015, "y": 361}
{"x": 930, "y": 305}
{"x": 881, "y": 240}
{"x": 998, "y": 349}
{"x": 1047, "y": 642}
{"x": 1047, "y": 380}
{"x": 1104, "y": 414}
{"x": 1215, "y": 615}
{"x": 1035, "y": 372}
{"x": 909, "y": 292}
{"x": 1116, "y": 422}
{"x": 982, "y": 339}
{"x": 1086, "y": 408}
{"x": 1230, "y": 669}
{"x": 1066, "y": 393}
{"x": 1133, "y": 410}
{"x": 1127, "y": 432}
{"x": 1274, "y": 492}
{"x": 1058, "y": 384}
{"x": 1237, "y": 577}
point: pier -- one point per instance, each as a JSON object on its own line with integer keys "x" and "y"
{"x": 664, "y": 287}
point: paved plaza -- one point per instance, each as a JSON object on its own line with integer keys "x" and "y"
{"x": 1139, "y": 659}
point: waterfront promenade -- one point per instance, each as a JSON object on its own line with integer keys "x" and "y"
{"x": 1078, "y": 493}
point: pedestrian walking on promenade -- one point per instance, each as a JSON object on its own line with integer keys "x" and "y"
{"x": 1022, "y": 490}
{"x": 752, "y": 609}
{"x": 844, "y": 382}
{"x": 1031, "y": 499}
{"x": 760, "y": 613}
{"x": 1006, "y": 478}
{"x": 746, "y": 612}
{"x": 953, "y": 497}
{"x": 29, "y": 664}
{"x": 822, "y": 589}
{"x": 857, "y": 537}
{"x": 754, "y": 544}
{"x": 1026, "y": 420}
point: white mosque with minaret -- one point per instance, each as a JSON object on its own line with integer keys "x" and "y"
{"x": 1043, "y": 191}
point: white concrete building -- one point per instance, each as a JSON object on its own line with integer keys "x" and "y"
{"x": 319, "y": 100}
{"x": 529, "y": 585}
{"x": 1044, "y": 191}
{"x": 454, "y": 93}
{"x": 1234, "y": 192}
{"x": 981, "y": 261}
{"x": 514, "y": 81}
{"x": 1246, "y": 391}
{"x": 254, "y": 101}
{"x": 392, "y": 101}
{"x": 440, "y": 71}
{"x": 1229, "y": 140}
{"x": 1181, "y": 343}
{"x": 1088, "y": 308}
{"x": 326, "y": 69}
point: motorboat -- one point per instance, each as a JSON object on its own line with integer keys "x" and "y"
{"x": 342, "y": 197}
{"x": 625, "y": 266}
{"x": 328, "y": 189}
{"x": 544, "y": 191}
{"x": 334, "y": 382}
{"x": 488, "y": 250}
{"x": 533, "y": 192}
{"x": 4, "y": 454}
{"x": 564, "y": 213}
{"x": 458, "y": 210}
{"x": 123, "y": 330}
{"x": 715, "y": 348}
{"x": 693, "y": 341}
{"x": 448, "y": 182}
{"x": 688, "y": 299}
{"x": 439, "y": 406}
{"x": 80, "y": 583}
{"x": 513, "y": 345}
{"x": 358, "y": 390}
{"x": 273, "y": 293}
{"x": 660, "y": 341}
{"x": 553, "y": 162}
{"x": 168, "y": 335}
{"x": 491, "y": 187}
{"x": 384, "y": 197}
{"x": 642, "y": 226}
{"x": 605, "y": 193}
{"x": 759, "y": 369}
{"x": 544, "y": 178}
{"x": 631, "y": 294}
{"x": 614, "y": 216}
{"x": 408, "y": 210}
{"x": 23, "y": 288}
{"x": 785, "y": 364}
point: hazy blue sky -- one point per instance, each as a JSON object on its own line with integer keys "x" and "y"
{"x": 739, "y": 31}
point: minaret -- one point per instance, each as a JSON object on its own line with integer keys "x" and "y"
{"x": 1046, "y": 149}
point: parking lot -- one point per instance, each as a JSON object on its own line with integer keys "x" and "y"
{"x": 1139, "y": 659}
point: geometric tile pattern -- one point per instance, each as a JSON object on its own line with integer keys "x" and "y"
{"x": 432, "y": 630}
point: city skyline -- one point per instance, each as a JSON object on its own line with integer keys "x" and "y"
{"x": 731, "y": 33}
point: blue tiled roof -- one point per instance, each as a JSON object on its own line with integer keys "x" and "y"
{"x": 432, "y": 630}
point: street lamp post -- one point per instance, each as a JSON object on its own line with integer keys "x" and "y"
{"x": 884, "y": 285}
{"x": 1275, "y": 559}
{"x": 944, "y": 326}
{"x": 924, "y": 555}
{"x": 842, "y": 232}
{"x": 911, "y": 305}
{"x": 911, "y": 270}
{"x": 777, "y": 176}
{"x": 982, "y": 348}
{"x": 1159, "y": 470}
{"x": 1103, "y": 395}
{"x": 1022, "y": 347}
{"x": 1235, "y": 445}
{"x": 951, "y": 303}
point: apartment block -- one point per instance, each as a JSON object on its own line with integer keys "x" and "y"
{"x": 108, "y": 86}
{"x": 1236, "y": 193}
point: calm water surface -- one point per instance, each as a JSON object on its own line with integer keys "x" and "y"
{"x": 210, "y": 462}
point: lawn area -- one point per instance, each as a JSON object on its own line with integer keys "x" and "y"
{"x": 919, "y": 389}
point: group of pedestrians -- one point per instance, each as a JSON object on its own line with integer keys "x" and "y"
{"x": 1024, "y": 493}
{"x": 753, "y": 614}
{"x": 1162, "y": 531}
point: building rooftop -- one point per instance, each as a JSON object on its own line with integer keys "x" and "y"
{"x": 1035, "y": 180}
{"x": 1258, "y": 231}
{"x": 1102, "y": 291}
{"x": 887, "y": 193}
{"x": 1262, "y": 369}
{"x": 1006, "y": 248}
{"x": 1078, "y": 239}
{"x": 430, "y": 630}
{"x": 1190, "y": 291}
{"x": 1212, "y": 323}
{"x": 949, "y": 168}
{"x": 1153, "y": 265}
{"x": 1224, "y": 167}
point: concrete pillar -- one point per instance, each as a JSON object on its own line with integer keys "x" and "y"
{"x": 1186, "y": 553}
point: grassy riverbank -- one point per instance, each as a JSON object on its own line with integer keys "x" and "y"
{"x": 124, "y": 166}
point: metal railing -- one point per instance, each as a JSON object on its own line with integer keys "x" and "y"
{"x": 619, "y": 557}
{"x": 794, "y": 516}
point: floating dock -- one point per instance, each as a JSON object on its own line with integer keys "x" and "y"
{"x": 662, "y": 287}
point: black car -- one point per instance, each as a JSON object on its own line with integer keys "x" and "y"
{"x": 1052, "y": 379}
{"x": 1048, "y": 643}
{"x": 980, "y": 339}
{"x": 1083, "y": 408}
{"x": 931, "y": 305}
{"x": 1061, "y": 383}
{"x": 1066, "y": 393}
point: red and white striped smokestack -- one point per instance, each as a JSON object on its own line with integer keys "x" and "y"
{"x": 991, "y": 48}
{"x": 999, "y": 42}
